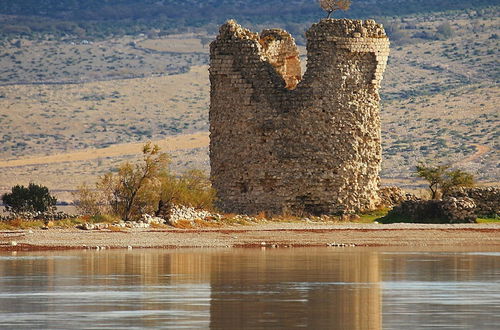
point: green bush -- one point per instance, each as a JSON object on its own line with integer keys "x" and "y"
{"x": 34, "y": 198}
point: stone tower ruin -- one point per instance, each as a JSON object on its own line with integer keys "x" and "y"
{"x": 280, "y": 142}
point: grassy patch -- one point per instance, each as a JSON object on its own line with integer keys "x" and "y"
{"x": 285, "y": 218}
{"x": 115, "y": 229}
{"x": 205, "y": 223}
{"x": 372, "y": 216}
{"x": 159, "y": 226}
{"x": 20, "y": 224}
{"x": 64, "y": 223}
{"x": 68, "y": 223}
{"x": 4, "y": 225}
{"x": 233, "y": 219}
{"x": 488, "y": 220}
{"x": 183, "y": 224}
{"x": 105, "y": 218}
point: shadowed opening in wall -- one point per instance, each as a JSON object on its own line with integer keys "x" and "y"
{"x": 279, "y": 48}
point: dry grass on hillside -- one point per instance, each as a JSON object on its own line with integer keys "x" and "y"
{"x": 48, "y": 119}
{"x": 178, "y": 44}
{"x": 81, "y": 60}
{"x": 439, "y": 103}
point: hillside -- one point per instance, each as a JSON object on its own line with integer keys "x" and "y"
{"x": 70, "y": 95}
{"x": 96, "y": 18}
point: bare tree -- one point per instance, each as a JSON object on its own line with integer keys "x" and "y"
{"x": 331, "y": 6}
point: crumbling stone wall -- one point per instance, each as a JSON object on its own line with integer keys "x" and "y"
{"x": 392, "y": 196}
{"x": 447, "y": 210}
{"x": 487, "y": 199}
{"x": 279, "y": 142}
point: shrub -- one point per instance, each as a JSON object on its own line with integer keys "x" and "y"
{"x": 34, "y": 198}
{"x": 91, "y": 202}
{"x": 455, "y": 179}
{"x": 444, "y": 31}
{"x": 395, "y": 32}
{"x": 130, "y": 192}
{"x": 145, "y": 187}
{"x": 192, "y": 189}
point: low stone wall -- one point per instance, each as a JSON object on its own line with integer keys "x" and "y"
{"x": 391, "y": 196}
{"x": 448, "y": 210}
{"x": 47, "y": 216}
{"x": 487, "y": 199}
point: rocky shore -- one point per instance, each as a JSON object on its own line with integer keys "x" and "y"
{"x": 260, "y": 235}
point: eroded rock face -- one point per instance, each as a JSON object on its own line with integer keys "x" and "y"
{"x": 279, "y": 143}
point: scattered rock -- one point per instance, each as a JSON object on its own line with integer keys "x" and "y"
{"x": 179, "y": 212}
{"x": 149, "y": 219}
{"x": 340, "y": 244}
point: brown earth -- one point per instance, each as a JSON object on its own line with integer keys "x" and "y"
{"x": 169, "y": 144}
{"x": 263, "y": 235}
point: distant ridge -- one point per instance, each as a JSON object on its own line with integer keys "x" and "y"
{"x": 97, "y": 17}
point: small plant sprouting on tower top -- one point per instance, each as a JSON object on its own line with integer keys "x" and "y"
{"x": 330, "y": 6}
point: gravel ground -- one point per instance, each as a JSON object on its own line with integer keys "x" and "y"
{"x": 267, "y": 235}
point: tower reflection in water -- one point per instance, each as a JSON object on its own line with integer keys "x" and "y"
{"x": 288, "y": 288}
{"x": 237, "y": 288}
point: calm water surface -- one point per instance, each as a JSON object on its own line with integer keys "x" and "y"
{"x": 313, "y": 288}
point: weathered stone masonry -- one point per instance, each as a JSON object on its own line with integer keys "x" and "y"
{"x": 280, "y": 143}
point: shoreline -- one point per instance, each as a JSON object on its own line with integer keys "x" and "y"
{"x": 261, "y": 235}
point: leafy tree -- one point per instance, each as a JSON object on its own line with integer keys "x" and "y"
{"x": 330, "y": 6}
{"x": 34, "y": 198}
{"x": 91, "y": 201}
{"x": 441, "y": 179}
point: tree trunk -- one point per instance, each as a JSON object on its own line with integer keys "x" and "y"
{"x": 164, "y": 209}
